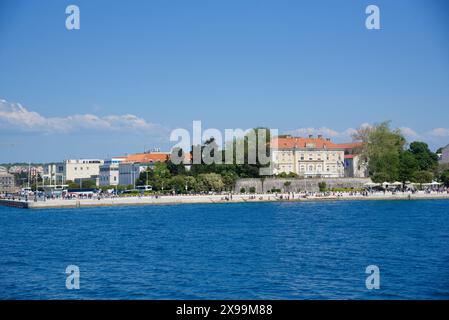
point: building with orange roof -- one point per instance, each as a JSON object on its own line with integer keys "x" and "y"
{"x": 313, "y": 157}
{"x": 134, "y": 164}
{"x": 150, "y": 157}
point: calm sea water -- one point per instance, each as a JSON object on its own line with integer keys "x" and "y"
{"x": 228, "y": 251}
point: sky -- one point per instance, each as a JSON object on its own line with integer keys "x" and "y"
{"x": 136, "y": 70}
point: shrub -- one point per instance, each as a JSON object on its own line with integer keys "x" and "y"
{"x": 322, "y": 186}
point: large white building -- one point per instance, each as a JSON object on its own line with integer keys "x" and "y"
{"x": 53, "y": 174}
{"x": 82, "y": 169}
{"x": 109, "y": 171}
{"x": 310, "y": 157}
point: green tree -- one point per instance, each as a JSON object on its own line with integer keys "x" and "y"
{"x": 158, "y": 176}
{"x": 257, "y": 138}
{"x": 210, "y": 182}
{"x": 229, "y": 178}
{"x": 322, "y": 186}
{"x": 161, "y": 170}
{"x": 427, "y": 160}
{"x": 423, "y": 176}
{"x": 175, "y": 169}
{"x": 177, "y": 183}
{"x": 445, "y": 178}
{"x": 191, "y": 183}
{"x": 381, "y": 150}
{"x": 380, "y": 177}
{"x": 408, "y": 166}
{"x": 145, "y": 178}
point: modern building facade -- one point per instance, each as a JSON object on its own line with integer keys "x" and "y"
{"x": 311, "y": 157}
{"x": 109, "y": 171}
{"x": 81, "y": 169}
{"x": 53, "y": 174}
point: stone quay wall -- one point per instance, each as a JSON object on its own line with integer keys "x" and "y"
{"x": 297, "y": 185}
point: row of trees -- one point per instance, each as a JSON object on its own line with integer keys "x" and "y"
{"x": 204, "y": 176}
{"x": 390, "y": 158}
{"x": 170, "y": 177}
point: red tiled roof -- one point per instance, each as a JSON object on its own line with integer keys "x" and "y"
{"x": 318, "y": 143}
{"x": 147, "y": 157}
{"x": 349, "y": 145}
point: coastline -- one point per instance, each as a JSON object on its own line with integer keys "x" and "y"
{"x": 204, "y": 199}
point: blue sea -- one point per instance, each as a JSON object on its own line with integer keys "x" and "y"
{"x": 289, "y": 250}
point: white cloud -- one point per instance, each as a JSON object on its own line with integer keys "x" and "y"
{"x": 409, "y": 133}
{"x": 366, "y": 125}
{"x": 14, "y": 116}
{"x": 439, "y": 132}
{"x": 314, "y": 131}
{"x": 325, "y": 132}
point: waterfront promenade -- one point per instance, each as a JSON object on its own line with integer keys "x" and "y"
{"x": 219, "y": 198}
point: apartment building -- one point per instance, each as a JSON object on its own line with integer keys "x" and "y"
{"x": 80, "y": 169}
{"x": 53, "y": 174}
{"x": 7, "y": 183}
{"x": 109, "y": 171}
